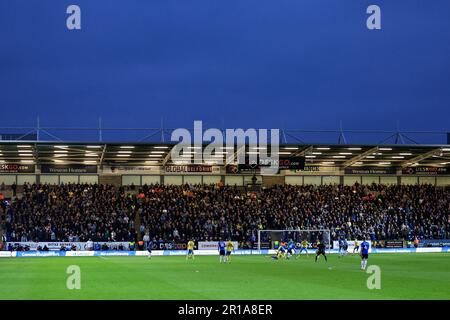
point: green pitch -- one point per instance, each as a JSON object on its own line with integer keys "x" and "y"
{"x": 403, "y": 276}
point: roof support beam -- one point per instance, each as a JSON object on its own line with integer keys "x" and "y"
{"x": 360, "y": 157}
{"x": 304, "y": 152}
{"x": 36, "y": 154}
{"x": 167, "y": 157}
{"x": 231, "y": 159}
{"x": 102, "y": 156}
{"x": 434, "y": 152}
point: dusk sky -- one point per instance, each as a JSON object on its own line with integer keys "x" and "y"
{"x": 305, "y": 64}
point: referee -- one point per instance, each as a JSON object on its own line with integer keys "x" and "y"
{"x": 321, "y": 251}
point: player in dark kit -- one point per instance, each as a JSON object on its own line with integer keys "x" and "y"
{"x": 321, "y": 250}
{"x": 149, "y": 248}
{"x": 364, "y": 254}
{"x": 221, "y": 247}
{"x": 290, "y": 249}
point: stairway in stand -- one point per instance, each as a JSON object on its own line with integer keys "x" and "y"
{"x": 137, "y": 225}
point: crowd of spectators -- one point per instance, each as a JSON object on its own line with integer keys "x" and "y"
{"x": 79, "y": 212}
{"x": 72, "y": 212}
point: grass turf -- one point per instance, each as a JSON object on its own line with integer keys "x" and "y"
{"x": 403, "y": 276}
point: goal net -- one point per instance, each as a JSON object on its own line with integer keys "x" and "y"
{"x": 271, "y": 239}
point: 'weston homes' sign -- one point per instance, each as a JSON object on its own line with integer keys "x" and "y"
{"x": 370, "y": 170}
{"x": 68, "y": 169}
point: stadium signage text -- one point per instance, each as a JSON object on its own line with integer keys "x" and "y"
{"x": 243, "y": 168}
{"x": 434, "y": 243}
{"x": 426, "y": 170}
{"x": 17, "y": 168}
{"x": 49, "y": 168}
{"x": 308, "y": 168}
{"x": 188, "y": 168}
{"x": 168, "y": 246}
{"x": 131, "y": 169}
{"x": 55, "y": 246}
{"x": 370, "y": 170}
{"x": 212, "y": 245}
{"x": 291, "y": 163}
{"x": 393, "y": 244}
{"x": 313, "y": 170}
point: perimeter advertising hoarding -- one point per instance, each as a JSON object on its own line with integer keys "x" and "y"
{"x": 434, "y": 243}
{"x": 168, "y": 245}
{"x": 131, "y": 169}
{"x": 351, "y": 244}
{"x": 290, "y": 163}
{"x": 193, "y": 168}
{"x": 394, "y": 244}
{"x": 263, "y": 245}
{"x": 68, "y": 169}
{"x": 370, "y": 170}
{"x": 213, "y": 245}
{"x": 426, "y": 170}
{"x": 57, "y": 245}
{"x": 17, "y": 168}
{"x": 314, "y": 170}
{"x": 52, "y": 246}
{"x": 242, "y": 168}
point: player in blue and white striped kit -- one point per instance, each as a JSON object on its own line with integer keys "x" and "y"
{"x": 341, "y": 246}
{"x": 344, "y": 247}
{"x": 364, "y": 254}
{"x": 221, "y": 248}
{"x": 290, "y": 249}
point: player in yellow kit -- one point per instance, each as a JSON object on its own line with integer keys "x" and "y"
{"x": 190, "y": 250}
{"x": 303, "y": 247}
{"x": 230, "y": 248}
{"x": 356, "y": 247}
{"x": 281, "y": 252}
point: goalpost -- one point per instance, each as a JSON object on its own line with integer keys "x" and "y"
{"x": 267, "y": 239}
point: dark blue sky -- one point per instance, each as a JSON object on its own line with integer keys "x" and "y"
{"x": 250, "y": 63}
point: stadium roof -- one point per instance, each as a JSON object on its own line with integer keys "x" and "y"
{"x": 340, "y": 155}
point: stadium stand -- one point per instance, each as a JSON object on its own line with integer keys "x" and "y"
{"x": 78, "y": 212}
